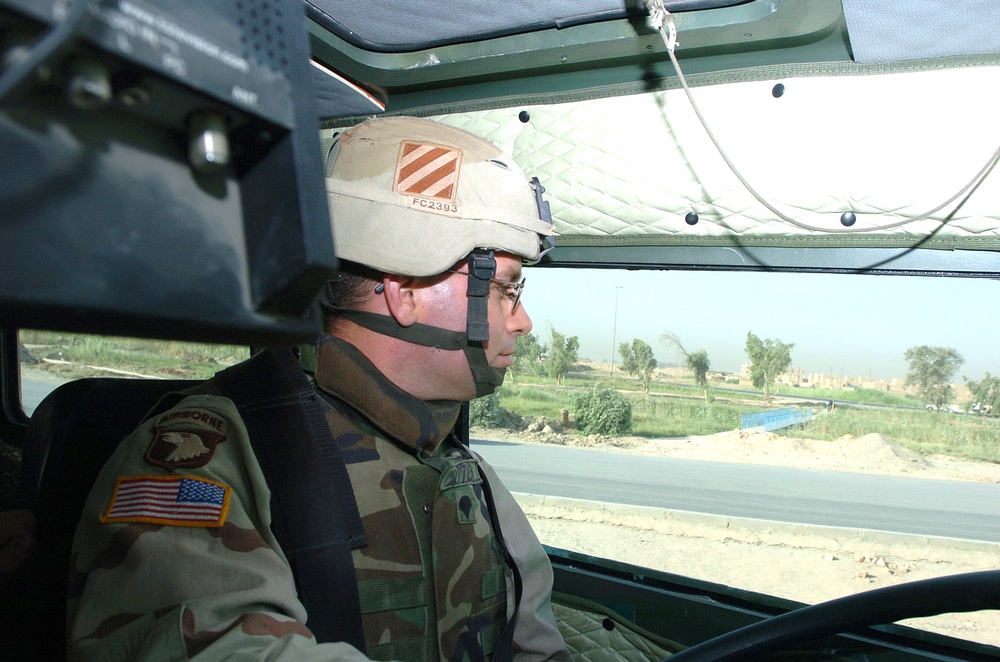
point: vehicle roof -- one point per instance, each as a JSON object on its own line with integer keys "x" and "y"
{"x": 424, "y": 54}
{"x": 819, "y": 135}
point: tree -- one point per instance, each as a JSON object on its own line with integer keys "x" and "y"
{"x": 931, "y": 370}
{"x": 697, "y": 362}
{"x": 528, "y": 356}
{"x": 768, "y": 359}
{"x": 638, "y": 361}
{"x": 561, "y": 356}
{"x": 985, "y": 394}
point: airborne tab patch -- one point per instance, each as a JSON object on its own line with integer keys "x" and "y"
{"x": 459, "y": 473}
{"x": 186, "y": 438}
{"x": 170, "y": 500}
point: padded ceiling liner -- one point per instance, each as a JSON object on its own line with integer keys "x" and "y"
{"x": 892, "y": 31}
{"x": 630, "y": 170}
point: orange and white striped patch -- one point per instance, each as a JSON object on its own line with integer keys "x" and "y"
{"x": 427, "y": 171}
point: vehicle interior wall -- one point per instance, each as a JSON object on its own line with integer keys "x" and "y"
{"x": 862, "y": 160}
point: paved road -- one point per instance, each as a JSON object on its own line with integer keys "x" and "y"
{"x": 34, "y": 391}
{"x": 954, "y": 509}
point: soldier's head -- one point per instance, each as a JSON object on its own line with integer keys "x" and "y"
{"x": 433, "y": 223}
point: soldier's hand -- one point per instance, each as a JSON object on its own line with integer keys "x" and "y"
{"x": 17, "y": 539}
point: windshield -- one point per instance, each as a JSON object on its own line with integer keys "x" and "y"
{"x": 807, "y": 436}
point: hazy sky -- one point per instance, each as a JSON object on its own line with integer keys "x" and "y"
{"x": 839, "y": 324}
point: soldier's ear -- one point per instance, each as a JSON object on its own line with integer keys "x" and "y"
{"x": 400, "y": 298}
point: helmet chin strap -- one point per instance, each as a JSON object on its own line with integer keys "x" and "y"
{"x": 487, "y": 377}
{"x": 482, "y": 267}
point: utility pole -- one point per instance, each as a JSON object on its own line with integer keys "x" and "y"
{"x": 614, "y": 334}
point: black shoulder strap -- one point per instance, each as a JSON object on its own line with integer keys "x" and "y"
{"x": 306, "y": 475}
{"x": 504, "y": 651}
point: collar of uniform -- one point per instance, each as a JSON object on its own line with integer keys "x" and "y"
{"x": 347, "y": 374}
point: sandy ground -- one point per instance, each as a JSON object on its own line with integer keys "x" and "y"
{"x": 807, "y": 564}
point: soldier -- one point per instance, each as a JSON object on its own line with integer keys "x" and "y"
{"x": 175, "y": 557}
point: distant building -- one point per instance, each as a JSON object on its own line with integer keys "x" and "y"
{"x": 796, "y": 377}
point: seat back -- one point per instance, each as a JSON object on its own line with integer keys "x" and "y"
{"x": 70, "y": 436}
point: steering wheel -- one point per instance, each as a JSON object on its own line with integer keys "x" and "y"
{"x": 956, "y": 593}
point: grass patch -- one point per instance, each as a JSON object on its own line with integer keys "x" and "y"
{"x": 926, "y": 432}
{"x": 869, "y": 395}
{"x": 537, "y": 400}
{"x": 652, "y": 416}
{"x": 161, "y": 358}
{"x": 674, "y": 417}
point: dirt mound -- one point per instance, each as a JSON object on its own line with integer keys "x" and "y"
{"x": 875, "y": 450}
{"x": 872, "y": 453}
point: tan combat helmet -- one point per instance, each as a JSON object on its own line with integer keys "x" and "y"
{"x": 413, "y": 197}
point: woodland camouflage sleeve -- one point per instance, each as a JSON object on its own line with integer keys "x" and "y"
{"x": 174, "y": 558}
{"x": 536, "y": 636}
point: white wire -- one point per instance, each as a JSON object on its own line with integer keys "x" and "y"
{"x": 664, "y": 23}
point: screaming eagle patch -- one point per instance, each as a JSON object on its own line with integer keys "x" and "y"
{"x": 186, "y": 438}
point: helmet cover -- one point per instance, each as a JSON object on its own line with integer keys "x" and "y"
{"x": 413, "y": 197}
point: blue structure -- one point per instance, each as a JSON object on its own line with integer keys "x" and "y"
{"x": 775, "y": 419}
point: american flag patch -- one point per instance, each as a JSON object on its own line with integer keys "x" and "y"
{"x": 171, "y": 500}
{"x": 429, "y": 171}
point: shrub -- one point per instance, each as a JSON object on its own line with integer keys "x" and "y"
{"x": 486, "y": 412}
{"x": 601, "y": 410}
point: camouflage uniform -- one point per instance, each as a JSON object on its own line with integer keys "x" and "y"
{"x": 210, "y": 580}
